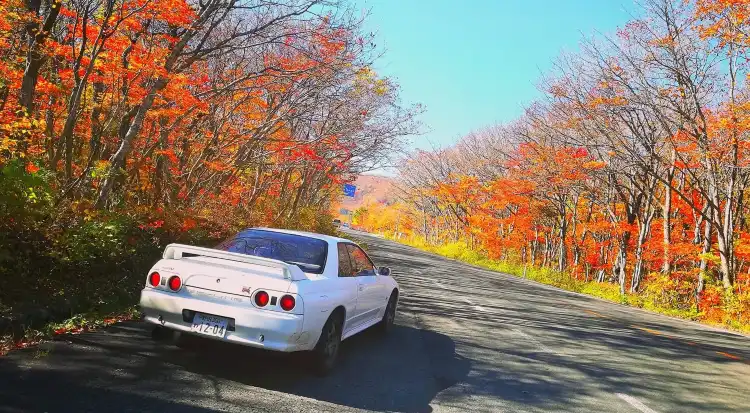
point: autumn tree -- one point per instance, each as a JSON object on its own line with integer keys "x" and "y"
{"x": 632, "y": 164}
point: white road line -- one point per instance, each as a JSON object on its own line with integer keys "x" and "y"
{"x": 534, "y": 341}
{"x": 478, "y": 308}
{"x": 636, "y": 403}
{"x": 466, "y": 300}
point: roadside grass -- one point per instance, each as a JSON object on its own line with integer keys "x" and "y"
{"x": 79, "y": 323}
{"x": 652, "y": 298}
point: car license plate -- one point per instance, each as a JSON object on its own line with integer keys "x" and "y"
{"x": 210, "y": 325}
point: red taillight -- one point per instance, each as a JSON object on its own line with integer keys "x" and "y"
{"x": 261, "y": 298}
{"x": 287, "y": 303}
{"x": 154, "y": 279}
{"x": 175, "y": 283}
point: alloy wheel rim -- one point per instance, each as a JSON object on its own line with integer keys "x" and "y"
{"x": 391, "y": 312}
{"x": 332, "y": 343}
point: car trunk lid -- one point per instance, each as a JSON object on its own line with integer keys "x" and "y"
{"x": 232, "y": 277}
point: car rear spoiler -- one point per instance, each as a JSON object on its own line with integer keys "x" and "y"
{"x": 290, "y": 271}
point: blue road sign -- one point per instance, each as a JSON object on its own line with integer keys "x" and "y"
{"x": 349, "y": 190}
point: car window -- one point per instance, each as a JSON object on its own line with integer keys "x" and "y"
{"x": 306, "y": 252}
{"x": 345, "y": 265}
{"x": 360, "y": 261}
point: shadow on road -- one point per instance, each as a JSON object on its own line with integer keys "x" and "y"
{"x": 538, "y": 347}
{"x": 401, "y": 372}
{"x": 466, "y": 339}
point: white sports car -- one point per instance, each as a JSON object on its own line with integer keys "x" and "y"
{"x": 274, "y": 289}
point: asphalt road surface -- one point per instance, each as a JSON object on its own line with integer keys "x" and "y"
{"x": 467, "y": 340}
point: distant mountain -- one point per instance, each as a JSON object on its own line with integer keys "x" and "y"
{"x": 370, "y": 188}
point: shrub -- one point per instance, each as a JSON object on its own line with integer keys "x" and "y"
{"x": 671, "y": 294}
{"x": 59, "y": 259}
{"x": 735, "y": 306}
{"x": 607, "y": 291}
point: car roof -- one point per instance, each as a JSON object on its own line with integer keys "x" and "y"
{"x": 327, "y": 238}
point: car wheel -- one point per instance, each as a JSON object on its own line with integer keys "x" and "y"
{"x": 160, "y": 333}
{"x": 327, "y": 350}
{"x": 185, "y": 341}
{"x": 389, "y": 317}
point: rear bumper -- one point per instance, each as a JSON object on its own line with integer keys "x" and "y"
{"x": 279, "y": 331}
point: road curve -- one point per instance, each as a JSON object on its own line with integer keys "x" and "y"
{"x": 467, "y": 339}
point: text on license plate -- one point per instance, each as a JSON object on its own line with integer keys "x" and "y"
{"x": 209, "y": 325}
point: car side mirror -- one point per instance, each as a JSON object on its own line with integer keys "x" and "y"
{"x": 384, "y": 271}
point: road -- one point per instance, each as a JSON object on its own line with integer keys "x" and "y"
{"x": 466, "y": 340}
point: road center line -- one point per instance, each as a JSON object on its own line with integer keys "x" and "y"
{"x": 594, "y": 313}
{"x": 534, "y": 341}
{"x": 729, "y": 355}
{"x": 636, "y": 403}
{"x": 690, "y": 343}
{"x": 651, "y": 331}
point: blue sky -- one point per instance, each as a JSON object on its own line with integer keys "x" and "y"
{"x": 473, "y": 63}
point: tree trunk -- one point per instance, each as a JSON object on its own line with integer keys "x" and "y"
{"x": 117, "y": 160}
{"x": 725, "y": 244}
{"x": 600, "y": 276}
{"x": 50, "y": 132}
{"x": 35, "y": 57}
{"x": 160, "y": 171}
{"x": 644, "y": 229}
{"x": 667, "y": 218}
{"x": 726, "y": 257}
{"x": 563, "y": 257}
{"x": 705, "y": 250}
{"x": 621, "y": 261}
{"x": 635, "y": 281}
{"x": 298, "y": 195}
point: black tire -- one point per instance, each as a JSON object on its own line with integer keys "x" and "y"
{"x": 184, "y": 341}
{"x": 327, "y": 350}
{"x": 159, "y": 333}
{"x": 389, "y": 316}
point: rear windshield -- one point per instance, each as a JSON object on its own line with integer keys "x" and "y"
{"x": 307, "y": 253}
